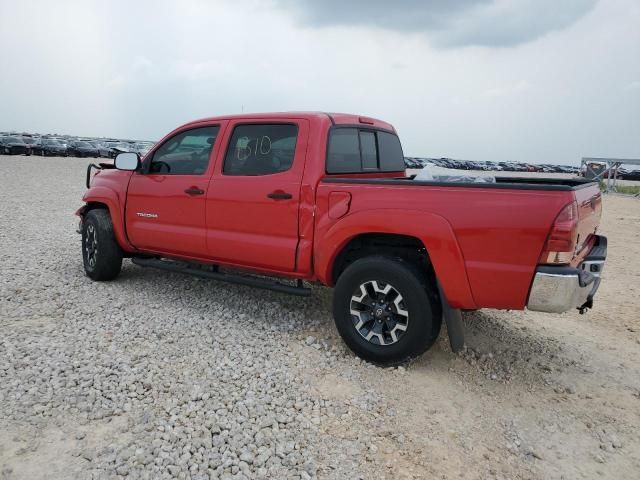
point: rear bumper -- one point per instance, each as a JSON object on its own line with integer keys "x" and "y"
{"x": 559, "y": 289}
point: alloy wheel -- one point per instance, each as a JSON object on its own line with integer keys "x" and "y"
{"x": 91, "y": 245}
{"x": 378, "y": 313}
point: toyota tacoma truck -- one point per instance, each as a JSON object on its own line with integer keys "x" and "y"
{"x": 281, "y": 199}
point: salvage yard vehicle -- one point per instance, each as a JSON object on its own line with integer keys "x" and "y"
{"x": 117, "y": 147}
{"x": 52, "y": 147}
{"x": 83, "y": 149}
{"x": 34, "y": 144}
{"x": 141, "y": 148}
{"x": 12, "y": 145}
{"x": 324, "y": 198}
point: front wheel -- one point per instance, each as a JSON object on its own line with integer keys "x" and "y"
{"x": 101, "y": 254}
{"x": 386, "y": 310}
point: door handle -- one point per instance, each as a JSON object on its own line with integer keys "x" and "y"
{"x": 194, "y": 191}
{"x": 279, "y": 195}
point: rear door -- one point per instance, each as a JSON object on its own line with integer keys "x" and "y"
{"x": 166, "y": 201}
{"x": 254, "y": 195}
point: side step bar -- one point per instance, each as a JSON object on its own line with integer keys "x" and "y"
{"x": 194, "y": 270}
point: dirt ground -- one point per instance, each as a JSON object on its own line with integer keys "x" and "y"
{"x": 538, "y": 395}
{"x": 533, "y": 396}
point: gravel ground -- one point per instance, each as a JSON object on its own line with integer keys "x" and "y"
{"x": 159, "y": 375}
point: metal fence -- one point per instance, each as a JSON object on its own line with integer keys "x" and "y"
{"x": 606, "y": 169}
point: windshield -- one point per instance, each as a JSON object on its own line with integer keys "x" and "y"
{"x": 29, "y": 140}
{"x": 13, "y": 140}
{"x": 82, "y": 144}
{"x": 51, "y": 142}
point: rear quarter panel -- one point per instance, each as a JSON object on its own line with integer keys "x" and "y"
{"x": 484, "y": 243}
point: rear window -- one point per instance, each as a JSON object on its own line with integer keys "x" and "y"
{"x": 355, "y": 150}
{"x": 369, "y": 151}
{"x": 390, "y": 152}
{"x": 344, "y": 151}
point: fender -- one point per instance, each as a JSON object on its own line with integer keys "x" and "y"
{"x": 111, "y": 198}
{"x": 433, "y": 230}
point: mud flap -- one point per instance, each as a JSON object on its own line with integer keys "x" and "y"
{"x": 453, "y": 318}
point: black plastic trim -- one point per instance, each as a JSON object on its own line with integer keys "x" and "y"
{"x": 599, "y": 250}
{"x": 333, "y": 122}
{"x": 557, "y": 270}
{"x": 502, "y": 183}
{"x": 90, "y": 167}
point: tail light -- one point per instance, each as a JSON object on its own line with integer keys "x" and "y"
{"x": 562, "y": 240}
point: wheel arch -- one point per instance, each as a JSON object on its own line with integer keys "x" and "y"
{"x": 379, "y": 243}
{"x": 104, "y": 198}
{"x": 431, "y": 234}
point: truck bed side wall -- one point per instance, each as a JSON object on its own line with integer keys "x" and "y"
{"x": 484, "y": 243}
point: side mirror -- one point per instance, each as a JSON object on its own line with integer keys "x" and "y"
{"x": 127, "y": 161}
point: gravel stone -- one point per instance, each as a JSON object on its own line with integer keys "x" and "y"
{"x": 161, "y": 376}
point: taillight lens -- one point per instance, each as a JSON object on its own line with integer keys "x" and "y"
{"x": 562, "y": 240}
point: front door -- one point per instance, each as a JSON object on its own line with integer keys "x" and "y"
{"x": 254, "y": 195}
{"x": 166, "y": 201}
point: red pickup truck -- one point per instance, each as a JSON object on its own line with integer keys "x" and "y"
{"x": 321, "y": 197}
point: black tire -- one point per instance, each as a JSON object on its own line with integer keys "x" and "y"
{"x": 418, "y": 298}
{"x": 103, "y": 259}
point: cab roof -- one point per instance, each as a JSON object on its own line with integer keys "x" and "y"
{"x": 334, "y": 118}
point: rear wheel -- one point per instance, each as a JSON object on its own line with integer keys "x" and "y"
{"x": 386, "y": 310}
{"x": 101, "y": 254}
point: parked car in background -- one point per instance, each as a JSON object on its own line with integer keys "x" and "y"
{"x": 33, "y": 144}
{"x": 116, "y": 147}
{"x": 104, "y": 150}
{"x": 631, "y": 175}
{"x": 411, "y": 162}
{"x": 83, "y": 149}
{"x": 51, "y": 147}
{"x": 141, "y": 148}
{"x": 14, "y": 145}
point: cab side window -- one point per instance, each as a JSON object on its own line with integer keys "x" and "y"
{"x": 186, "y": 153}
{"x": 260, "y": 149}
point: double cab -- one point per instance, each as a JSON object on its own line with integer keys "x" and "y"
{"x": 279, "y": 199}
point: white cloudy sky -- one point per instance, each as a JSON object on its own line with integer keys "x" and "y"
{"x": 529, "y": 80}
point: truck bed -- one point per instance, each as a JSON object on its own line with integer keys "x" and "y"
{"x": 500, "y": 228}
